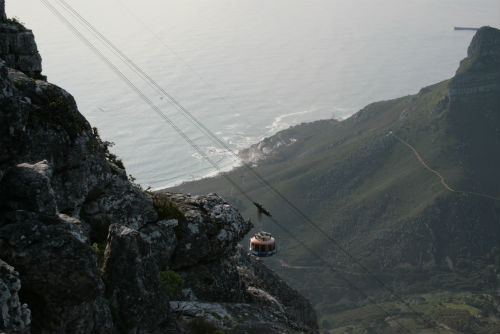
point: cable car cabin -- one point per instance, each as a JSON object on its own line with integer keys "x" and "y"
{"x": 262, "y": 244}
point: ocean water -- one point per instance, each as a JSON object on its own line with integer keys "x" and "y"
{"x": 244, "y": 68}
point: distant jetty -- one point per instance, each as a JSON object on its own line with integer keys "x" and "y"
{"x": 466, "y": 28}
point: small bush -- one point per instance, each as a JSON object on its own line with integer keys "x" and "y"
{"x": 166, "y": 209}
{"x": 172, "y": 282}
{"x": 17, "y": 22}
{"x": 104, "y": 147}
{"x": 99, "y": 248}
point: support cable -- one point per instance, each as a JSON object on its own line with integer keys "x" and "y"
{"x": 207, "y": 131}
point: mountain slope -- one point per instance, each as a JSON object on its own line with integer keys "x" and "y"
{"x": 368, "y": 181}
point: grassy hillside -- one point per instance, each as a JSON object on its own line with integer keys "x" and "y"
{"x": 409, "y": 187}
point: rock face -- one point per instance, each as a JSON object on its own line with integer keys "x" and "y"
{"x": 2, "y": 10}
{"x": 264, "y": 302}
{"x": 265, "y": 148}
{"x": 211, "y": 230}
{"x": 139, "y": 302}
{"x": 17, "y": 46}
{"x": 478, "y": 72}
{"x": 224, "y": 287}
{"x": 14, "y": 317}
{"x": 90, "y": 252}
{"x": 57, "y": 265}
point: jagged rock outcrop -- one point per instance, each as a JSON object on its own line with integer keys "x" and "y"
{"x": 57, "y": 265}
{"x": 211, "y": 230}
{"x": 27, "y": 187}
{"x": 246, "y": 280}
{"x": 14, "y": 316}
{"x": 241, "y": 295}
{"x": 40, "y": 121}
{"x": 478, "y": 72}
{"x": 18, "y": 47}
{"x": 118, "y": 203}
{"x": 262, "y": 282}
{"x": 137, "y": 298}
{"x": 214, "y": 283}
{"x": 265, "y": 148}
{"x": 94, "y": 252}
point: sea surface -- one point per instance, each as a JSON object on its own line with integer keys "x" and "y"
{"x": 244, "y": 68}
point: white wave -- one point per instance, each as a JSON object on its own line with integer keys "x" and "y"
{"x": 278, "y": 123}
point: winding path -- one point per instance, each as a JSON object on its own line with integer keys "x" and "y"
{"x": 441, "y": 178}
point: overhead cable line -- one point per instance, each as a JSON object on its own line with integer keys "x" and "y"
{"x": 171, "y": 50}
{"x": 222, "y": 144}
{"x": 187, "y": 139}
{"x": 135, "y": 68}
{"x": 214, "y": 137}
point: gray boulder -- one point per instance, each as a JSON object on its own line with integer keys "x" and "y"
{"x": 212, "y": 229}
{"x": 139, "y": 301}
{"x": 119, "y": 202}
{"x": 216, "y": 281}
{"x": 58, "y": 269}
{"x": 162, "y": 240}
{"x": 27, "y": 187}
{"x": 56, "y": 264}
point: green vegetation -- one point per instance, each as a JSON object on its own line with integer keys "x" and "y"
{"x": 369, "y": 191}
{"x": 99, "y": 248}
{"x": 15, "y": 21}
{"x": 172, "y": 282}
{"x": 166, "y": 209}
{"x": 18, "y": 84}
{"x": 104, "y": 147}
{"x": 445, "y": 316}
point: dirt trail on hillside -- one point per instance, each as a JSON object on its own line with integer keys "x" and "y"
{"x": 441, "y": 178}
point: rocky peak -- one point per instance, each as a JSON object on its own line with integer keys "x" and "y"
{"x": 478, "y": 73}
{"x": 484, "y": 47}
{"x": 17, "y": 46}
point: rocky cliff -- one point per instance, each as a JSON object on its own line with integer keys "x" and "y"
{"x": 83, "y": 250}
{"x": 17, "y": 46}
{"x": 474, "y": 75}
